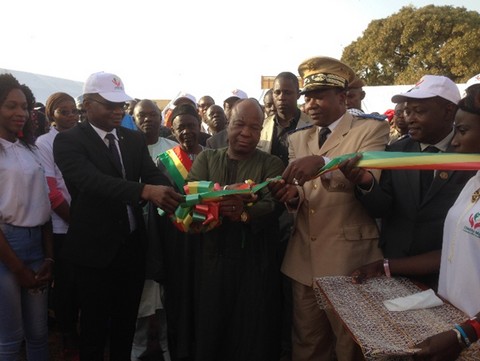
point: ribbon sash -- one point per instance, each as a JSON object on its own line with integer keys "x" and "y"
{"x": 408, "y": 160}
{"x": 177, "y": 163}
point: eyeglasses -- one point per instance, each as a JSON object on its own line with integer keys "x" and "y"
{"x": 66, "y": 112}
{"x": 111, "y": 105}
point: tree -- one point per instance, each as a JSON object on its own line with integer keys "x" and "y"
{"x": 400, "y": 49}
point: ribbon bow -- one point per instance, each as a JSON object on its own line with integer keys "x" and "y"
{"x": 200, "y": 210}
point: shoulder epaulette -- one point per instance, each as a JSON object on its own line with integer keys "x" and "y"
{"x": 302, "y": 128}
{"x": 375, "y": 116}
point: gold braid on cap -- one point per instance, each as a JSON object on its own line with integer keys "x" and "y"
{"x": 324, "y": 79}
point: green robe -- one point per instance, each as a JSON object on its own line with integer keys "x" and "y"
{"x": 237, "y": 278}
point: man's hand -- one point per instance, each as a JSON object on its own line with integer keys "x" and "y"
{"x": 303, "y": 169}
{"x": 232, "y": 206}
{"x": 283, "y": 192}
{"x": 443, "y": 346}
{"x": 354, "y": 174}
{"x": 374, "y": 269}
{"x": 162, "y": 196}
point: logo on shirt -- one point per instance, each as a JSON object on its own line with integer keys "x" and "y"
{"x": 474, "y": 220}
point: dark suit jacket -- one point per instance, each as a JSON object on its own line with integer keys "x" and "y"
{"x": 412, "y": 226}
{"x": 99, "y": 219}
{"x": 219, "y": 140}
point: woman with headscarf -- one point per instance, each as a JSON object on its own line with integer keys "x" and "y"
{"x": 62, "y": 114}
{"x": 26, "y": 254}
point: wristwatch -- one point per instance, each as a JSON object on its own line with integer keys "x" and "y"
{"x": 244, "y": 217}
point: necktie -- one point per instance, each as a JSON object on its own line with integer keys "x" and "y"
{"x": 426, "y": 176}
{"x": 114, "y": 151}
{"x": 322, "y": 137}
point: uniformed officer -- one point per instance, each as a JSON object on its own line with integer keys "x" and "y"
{"x": 333, "y": 233}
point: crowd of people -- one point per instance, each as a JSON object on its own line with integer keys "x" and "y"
{"x": 90, "y": 209}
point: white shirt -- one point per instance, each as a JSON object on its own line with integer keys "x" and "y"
{"x": 459, "y": 279}
{"x": 161, "y": 146}
{"x": 442, "y": 145}
{"x": 45, "y": 151}
{"x": 102, "y": 133}
{"x": 24, "y": 198}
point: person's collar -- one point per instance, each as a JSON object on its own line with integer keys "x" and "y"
{"x": 293, "y": 120}
{"x": 6, "y": 144}
{"x": 333, "y": 125}
{"x": 53, "y": 130}
{"x": 441, "y": 145}
{"x": 102, "y": 133}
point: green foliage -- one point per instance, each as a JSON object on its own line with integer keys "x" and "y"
{"x": 400, "y": 49}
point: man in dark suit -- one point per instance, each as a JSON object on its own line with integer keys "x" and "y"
{"x": 219, "y": 140}
{"x": 413, "y": 204}
{"x": 103, "y": 164}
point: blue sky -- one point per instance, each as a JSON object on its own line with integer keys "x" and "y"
{"x": 204, "y": 47}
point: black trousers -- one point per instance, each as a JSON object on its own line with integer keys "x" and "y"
{"x": 65, "y": 300}
{"x": 109, "y": 300}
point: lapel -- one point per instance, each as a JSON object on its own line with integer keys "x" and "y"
{"x": 413, "y": 176}
{"x": 441, "y": 178}
{"x": 265, "y": 142}
{"x": 337, "y": 135}
{"x": 124, "y": 150}
{"x": 312, "y": 139}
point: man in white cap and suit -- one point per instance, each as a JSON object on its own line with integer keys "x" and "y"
{"x": 473, "y": 86}
{"x": 413, "y": 204}
{"x": 333, "y": 234}
{"x": 102, "y": 164}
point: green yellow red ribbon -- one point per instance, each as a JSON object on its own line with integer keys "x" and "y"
{"x": 200, "y": 210}
{"x": 408, "y": 160}
{"x": 178, "y": 164}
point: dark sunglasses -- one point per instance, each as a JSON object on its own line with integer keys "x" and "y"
{"x": 111, "y": 105}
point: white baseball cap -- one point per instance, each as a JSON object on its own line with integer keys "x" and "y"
{"x": 430, "y": 86}
{"x": 109, "y": 86}
{"x": 472, "y": 81}
{"x": 238, "y": 94}
{"x": 183, "y": 95}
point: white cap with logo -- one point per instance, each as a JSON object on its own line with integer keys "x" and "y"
{"x": 472, "y": 81}
{"x": 237, "y": 93}
{"x": 430, "y": 86}
{"x": 109, "y": 86}
{"x": 185, "y": 96}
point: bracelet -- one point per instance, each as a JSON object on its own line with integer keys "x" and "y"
{"x": 459, "y": 337}
{"x": 48, "y": 259}
{"x": 224, "y": 187}
{"x": 386, "y": 267}
{"x": 475, "y": 325}
{"x": 464, "y": 335}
